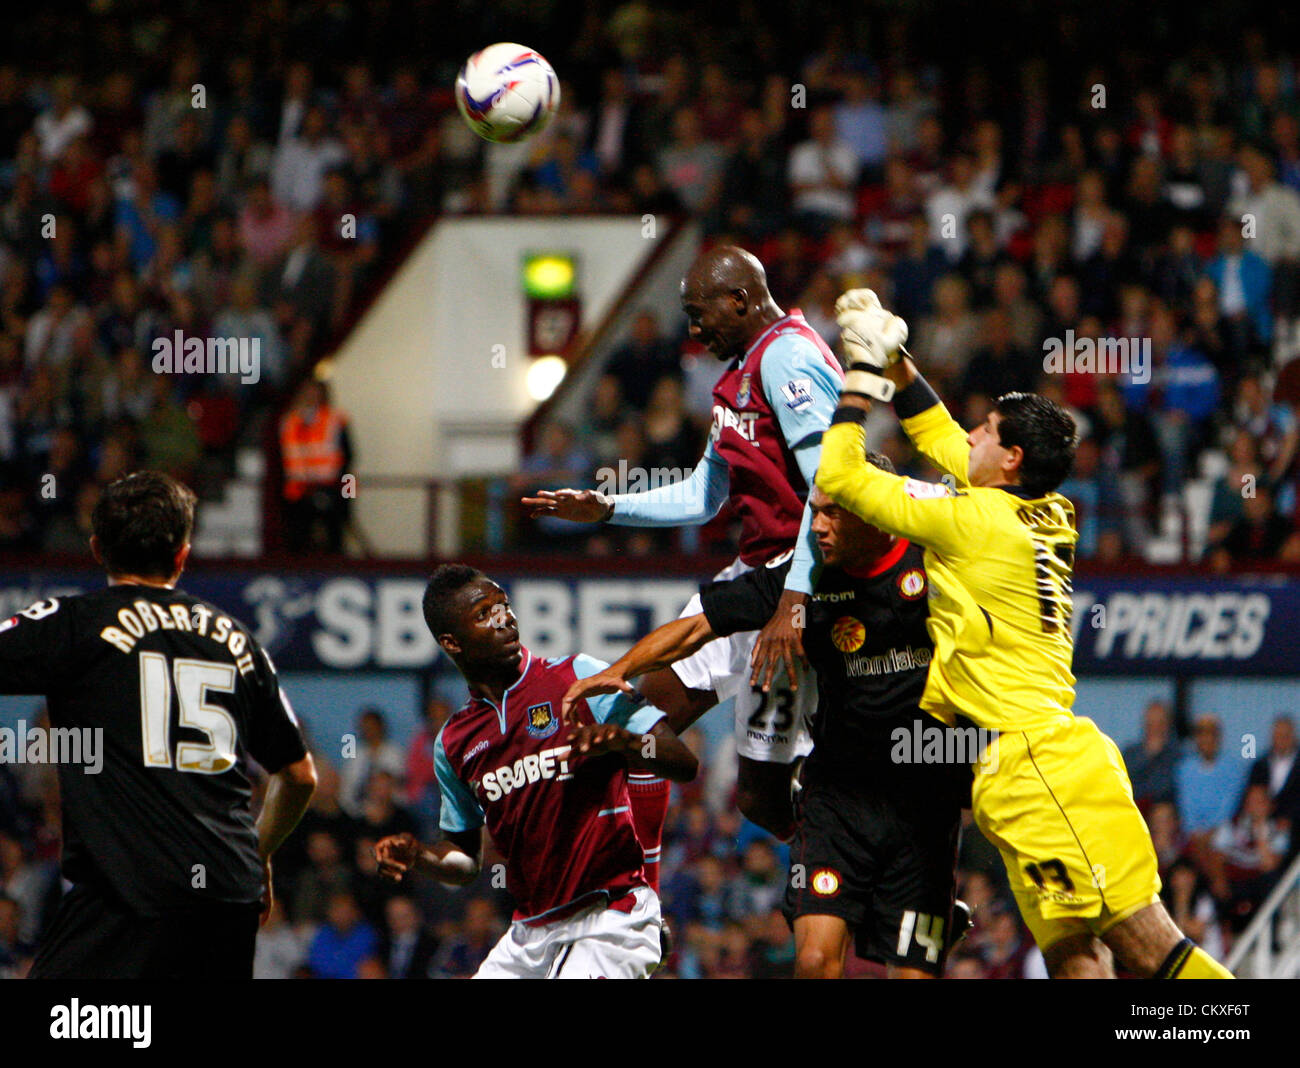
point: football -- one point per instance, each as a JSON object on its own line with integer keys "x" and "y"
{"x": 507, "y": 92}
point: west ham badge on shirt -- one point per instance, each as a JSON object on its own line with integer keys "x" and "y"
{"x": 742, "y": 394}
{"x": 542, "y": 722}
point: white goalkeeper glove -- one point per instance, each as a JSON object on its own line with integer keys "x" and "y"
{"x": 872, "y": 339}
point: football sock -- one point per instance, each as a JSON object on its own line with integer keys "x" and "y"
{"x": 1188, "y": 961}
{"x": 649, "y": 797}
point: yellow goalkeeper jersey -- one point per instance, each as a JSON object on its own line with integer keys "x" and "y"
{"x": 1000, "y": 566}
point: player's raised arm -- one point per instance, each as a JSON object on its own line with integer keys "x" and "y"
{"x": 688, "y": 502}
{"x": 663, "y": 646}
{"x": 928, "y": 513}
{"x": 880, "y": 368}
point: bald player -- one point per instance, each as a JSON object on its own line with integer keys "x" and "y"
{"x": 770, "y": 407}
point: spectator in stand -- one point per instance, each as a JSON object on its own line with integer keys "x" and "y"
{"x": 1152, "y": 761}
{"x": 1181, "y": 395}
{"x": 642, "y": 360}
{"x": 1246, "y": 855}
{"x": 618, "y": 126}
{"x": 890, "y": 225}
{"x": 301, "y": 161}
{"x": 822, "y": 172}
{"x": 1176, "y": 270}
{"x": 301, "y": 288}
{"x": 343, "y": 942}
{"x": 1274, "y": 211}
{"x": 316, "y": 451}
{"x": 63, "y": 121}
{"x": 1274, "y": 429}
{"x": 950, "y": 336}
{"x": 1242, "y": 477}
{"x": 266, "y": 226}
{"x": 556, "y": 460}
{"x": 1108, "y": 270}
{"x": 982, "y": 259}
{"x": 1003, "y": 947}
{"x": 406, "y": 947}
{"x": 754, "y": 199}
{"x": 244, "y": 318}
{"x": 460, "y": 956}
{"x": 999, "y": 367}
{"x": 244, "y": 160}
{"x": 1285, "y": 135}
{"x": 950, "y": 206}
{"x": 423, "y": 797}
{"x": 324, "y": 816}
{"x": 325, "y": 876}
{"x": 280, "y": 951}
{"x": 862, "y": 124}
{"x": 1278, "y": 771}
{"x": 907, "y": 107}
{"x": 1090, "y": 215}
{"x": 1207, "y": 785}
{"x": 1092, "y": 489}
{"x": 1167, "y": 837}
{"x": 1258, "y": 536}
{"x": 672, "y": 440}
{"x": 370, "y": 752}
{"x": 1243, "y": 281}
{"x": 691, "y": 166}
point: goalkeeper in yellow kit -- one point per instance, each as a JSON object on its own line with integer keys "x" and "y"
{"x": 1054, "y": 798}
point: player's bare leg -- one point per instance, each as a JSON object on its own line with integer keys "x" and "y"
{"x": 1079, "y": 956}
{"x": 821, "y": 945}
{"x": 1150, "y": 944}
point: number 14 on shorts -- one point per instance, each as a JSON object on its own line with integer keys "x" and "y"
{"x": 923, "y": 929}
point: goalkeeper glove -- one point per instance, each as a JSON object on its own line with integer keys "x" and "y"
{"x": 872, "y": 339}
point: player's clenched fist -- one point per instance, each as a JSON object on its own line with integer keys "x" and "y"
{"x": 580, "y": 506}
{"x": 397, "y": 854}
{"x": 872, "y": 339}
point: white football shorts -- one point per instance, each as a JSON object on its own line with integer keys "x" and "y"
{"x": 772, "y": 727}
{"x": 597, "y": 943}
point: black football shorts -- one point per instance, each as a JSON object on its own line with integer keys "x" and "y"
{"x": 94, "y": 936}
{"x": 879, "y": 850}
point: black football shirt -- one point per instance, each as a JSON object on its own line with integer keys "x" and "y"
{"x": 179, "y": 697}
{"x": 864, "y": 635}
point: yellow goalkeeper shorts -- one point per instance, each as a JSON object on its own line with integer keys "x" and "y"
{"x": 1058, "y": 804}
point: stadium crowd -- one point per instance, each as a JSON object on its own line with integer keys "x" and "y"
{"x": 1002, "y": 209}
{"x": 998, "y": 206}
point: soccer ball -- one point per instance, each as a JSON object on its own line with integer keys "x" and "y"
{"x": 507, "y": 92}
